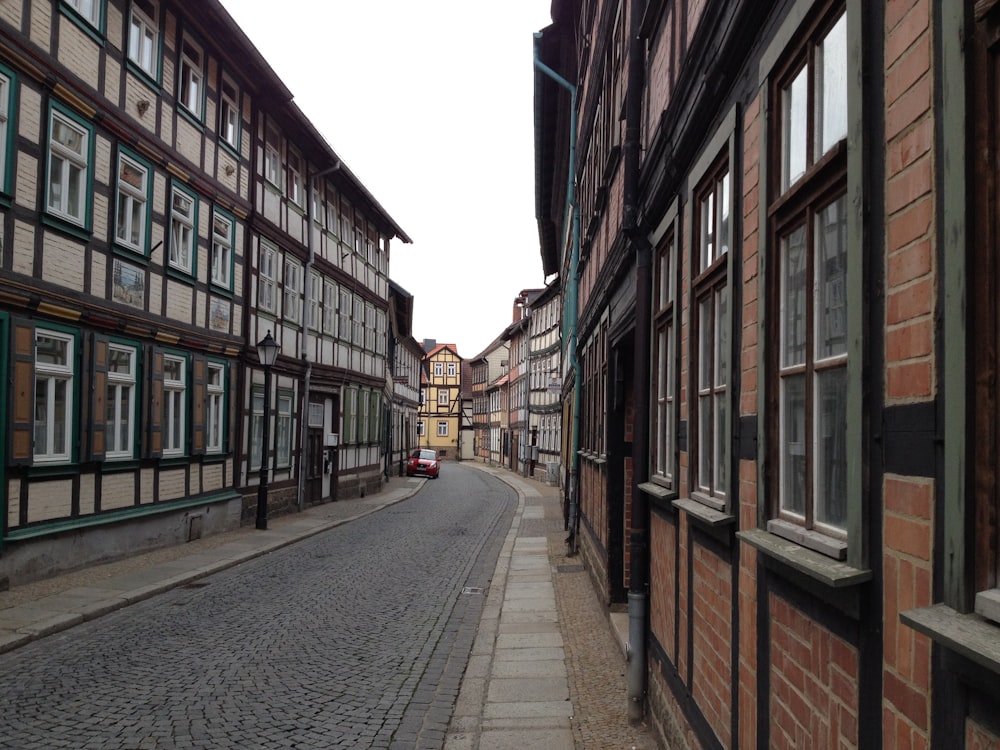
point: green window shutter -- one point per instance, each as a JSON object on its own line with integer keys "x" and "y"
{"x": 154, "y": 414}
{"x": 22, "y": 392}
{"x": 199, "y": 404}
{"x": 98, "y": 403}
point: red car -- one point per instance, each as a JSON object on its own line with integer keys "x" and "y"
{"x": 423, "y": 461}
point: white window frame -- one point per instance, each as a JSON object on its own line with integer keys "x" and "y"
{"x": 183, "y": 230}
{"x": 267, "y": 280}
{"x": 230, "y": 120}
{"x": 439, "y": 369}
{"x": 69, "y": 170}
{"x": 223, "y": 231}
{"x": 174, "y": 406}
{"x": 293, "y": 166}
{"x": 50, "y": 376}
{"x": 272, "y": 157}
{"x": 315, "y": 320}
{"x": 120, "y": 405}
{"x": 452, "y": 369}
{"x": 369, "y": 327}
{"x": 380, "y": 332}
{"x": 191, "y": 79}
{"x": 132, "y": 206}
{"x": 144, "y": 36}
{"x": 444, "y": 397}
{"x": 293, "y": 291}
{"x": 344, "y": 313}
{"x": 88, "y": 10}
{"x": 6, "y": 88}
{"x": 358, "y": 322}
{"x": 330, "y": 295}
{"x": 442, "y": 428}
{"x": 215, "y": 407}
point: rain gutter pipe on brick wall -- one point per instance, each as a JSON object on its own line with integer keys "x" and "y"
{"x": 570, "y": 308}
{"x": 307, "y": 319}
{"x": 638, "y": 593}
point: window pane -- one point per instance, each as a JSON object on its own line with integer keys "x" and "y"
{"x": 831, "y": 447}
{"x": 707, "y": 231}
{"x": 722, "y": 235}
{"x": 831, "y": 84}
{"x": 719, "y": 483}
{"x": 60, "y": 429}
{"x": 704, "y": 442}
{"x": 50, "y": 351}
{"x": 793, "y": 129}
{"x": 705, "y": 343}
{"x": 831, "y": 280}
{"x": 793, "y": 444}
{"x": 721, "y": 337}
{"x": 793, "y": 298}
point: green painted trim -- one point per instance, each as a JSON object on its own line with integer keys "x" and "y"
{"x": 952, "y": 229}
{"x": 13, "y": 88}
{"x": 87, "y": 227}
{"x": 119, "y": 248}
{"x": 117, "y": 516}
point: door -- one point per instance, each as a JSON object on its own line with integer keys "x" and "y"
{"x": 314, "y": 466}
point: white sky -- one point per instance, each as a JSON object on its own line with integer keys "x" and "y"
{"x": 429, "y": 103}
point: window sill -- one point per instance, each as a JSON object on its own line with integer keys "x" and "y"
{"x": 656, "y": 491}
{"x": 971, "y": 635}
{"x": 810, "y": 563}
{"x": 703, "y": 513}
{"x": 825, "y": 545}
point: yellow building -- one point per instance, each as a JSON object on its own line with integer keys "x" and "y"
{"x": 441, "y": 405}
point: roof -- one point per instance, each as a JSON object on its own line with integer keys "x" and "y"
{"x": 439, "y": 348}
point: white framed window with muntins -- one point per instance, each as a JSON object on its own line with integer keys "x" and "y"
{"x": 54, "y": 402}
{"x": 144, "y": 36}
{"x": 120, "y": 404}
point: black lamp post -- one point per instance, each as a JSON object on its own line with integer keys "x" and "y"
{"x": 267, "y": 352}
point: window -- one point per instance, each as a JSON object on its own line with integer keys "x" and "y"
{"x": 69, "y": 168}
{"x": 351, "y": 416}
{"x": 444, "y": 398}
{"x": 808, "y": 364}
{"x": 438, "y": 369}
{"x": 88, "y": 10}
{"x": 420, "y": 428}
{"x": 664, "y": 383}
{"x": 215, "y": 404}
{"x": 256, "y": 428}
{"x": 272, "y": 157}
{"x": 191, "y": 93}
{"x": 369, "y": 327}
{"x": 183, "y": 220}
{"x": 6, "y": 96}
{"x": 222, "y": 250}
{"x": 53, "y": 396}
{"x": 294, "y": 178}
{"x": 381, "y": 332}
{"x": 315, "y": 297}
{"x": 442, "y": 428}
{"x": 329, "y": 308}
{"x": 344, "y": 313}
{"x": 712, "y": 343}
{"x": 120, "y": 403}
{"x": 364, "y": 422}
{"x": 229, "y": 114}
{"x": 266, "y": 278}
{"x": 132, "y": 208}
{"x": 143, "y": 37}
{"x": 451, "y": 369}
{"x": 174, "y": 392}
{"x": 283, "y": 429}
{"x": 293, "y": 291}
{"x": 358, "y": 332}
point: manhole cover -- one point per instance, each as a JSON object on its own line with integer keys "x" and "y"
{"x": 473, "y": 590}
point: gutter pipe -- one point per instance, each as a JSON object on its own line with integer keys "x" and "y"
{"x": 638, "y": 594}
{"x": 304, "y": 416}
{"x": 570, "y": 309}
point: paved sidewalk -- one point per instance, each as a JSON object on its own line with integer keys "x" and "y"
{"x": 546, "y": 669}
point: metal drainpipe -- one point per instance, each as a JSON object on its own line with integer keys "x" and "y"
{"x": 638, "y": 595}
{"x": 304, "y": 420}
{"x": 570, "y": 311}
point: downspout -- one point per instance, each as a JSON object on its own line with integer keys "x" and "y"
{"x": 570, "y": 311}
{"x": 638, "y": 594}
{"x": 307, "y": 318}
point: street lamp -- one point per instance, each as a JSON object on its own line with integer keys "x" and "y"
{"x": 267, "y": 352}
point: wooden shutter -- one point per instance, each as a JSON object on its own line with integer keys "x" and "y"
{"x": 97, "y": 443}
{"x": 22, "y": 392}
{"x": 154, "y": 413}
{"x": 199, "y": 374}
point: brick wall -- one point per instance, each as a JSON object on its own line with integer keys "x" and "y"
{"x": 908, "y": 529}
{"x": 712, "y": 628}
{"x": 814, "y": 674}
